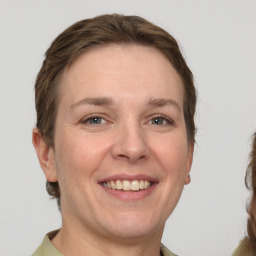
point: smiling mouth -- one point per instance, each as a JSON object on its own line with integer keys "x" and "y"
{"x": 126, "y": 185}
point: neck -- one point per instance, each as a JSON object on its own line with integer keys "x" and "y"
{"x": 72, "y": 241}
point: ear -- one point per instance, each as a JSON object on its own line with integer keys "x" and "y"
{"x": 189, "y": 162}
{"x": 45, "y": 156}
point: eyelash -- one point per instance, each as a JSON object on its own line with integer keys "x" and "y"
{"x": 164, "y": 118}
{"x": 160, "y": 117}
{"x": 88, "y": 119}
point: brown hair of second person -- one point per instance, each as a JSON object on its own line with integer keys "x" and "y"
{"x": 250, "y": 181}
{"x": 96, "y": 32}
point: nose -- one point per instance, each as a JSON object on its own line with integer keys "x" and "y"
{"x": 130, "y": 144}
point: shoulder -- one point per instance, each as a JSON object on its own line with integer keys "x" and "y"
{"x": 46, "y": 248}
{"x": 166, "y": 252}
{"x": 243, "y": 249}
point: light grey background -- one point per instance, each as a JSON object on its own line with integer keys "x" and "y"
{"x": 218, "y": 39}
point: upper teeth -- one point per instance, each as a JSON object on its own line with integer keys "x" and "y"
{"x": 127, "y": 185}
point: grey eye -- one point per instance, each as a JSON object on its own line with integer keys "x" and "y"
{"x": 95, "y": 120}
{"x": 158, "y": 121}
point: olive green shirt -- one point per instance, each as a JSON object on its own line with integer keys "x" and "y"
{"x": 47, "y": 249}
{"x": 243, "y": 249}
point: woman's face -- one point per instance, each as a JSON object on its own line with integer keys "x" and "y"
{"x": 121, "y": 153}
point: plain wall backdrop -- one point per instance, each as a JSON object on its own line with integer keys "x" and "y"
{"x": 218, "y": 39}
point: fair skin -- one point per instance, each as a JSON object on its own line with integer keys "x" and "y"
{"x": 121, "y": 153}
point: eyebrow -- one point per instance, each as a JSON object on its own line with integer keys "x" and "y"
{"x": 106, "y": 101}
{"x": 100, "y": 101}
{"x": 161, "y": 102}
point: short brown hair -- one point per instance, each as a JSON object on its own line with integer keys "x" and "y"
{"x": 100, "y": 31}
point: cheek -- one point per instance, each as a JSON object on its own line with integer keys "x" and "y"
{"x": 79, "y": 157}
{"x": 172, "y": 154}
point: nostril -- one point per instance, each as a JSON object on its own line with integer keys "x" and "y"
{"x": 123, "y": 156}
{"x": 132, "y": 158}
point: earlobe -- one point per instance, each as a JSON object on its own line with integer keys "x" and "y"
{"x": 187, "y": 179}
{"x": 45, "y": 156}
{"x": 189, "y": 163}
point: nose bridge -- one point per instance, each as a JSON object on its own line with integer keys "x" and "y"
{"x": 131, "y": 142}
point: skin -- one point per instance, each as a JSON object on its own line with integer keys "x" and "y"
{"x": 129, "y": 133}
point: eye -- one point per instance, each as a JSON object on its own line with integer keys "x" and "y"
{"x": 95, "y": 120}
{"x": 160, "y": 120}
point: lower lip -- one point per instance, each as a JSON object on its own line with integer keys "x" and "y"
{"x": 130, "y": 195}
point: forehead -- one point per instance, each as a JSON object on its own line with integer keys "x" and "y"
{"x": 122, "y": 55}
{"x": 117, "y": 67}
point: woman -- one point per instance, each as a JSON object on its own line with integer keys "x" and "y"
{"x": 247, "y": 246}
{"x": 115, "y": 132}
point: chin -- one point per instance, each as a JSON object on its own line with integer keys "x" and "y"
{"x": 135, "y": 226}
